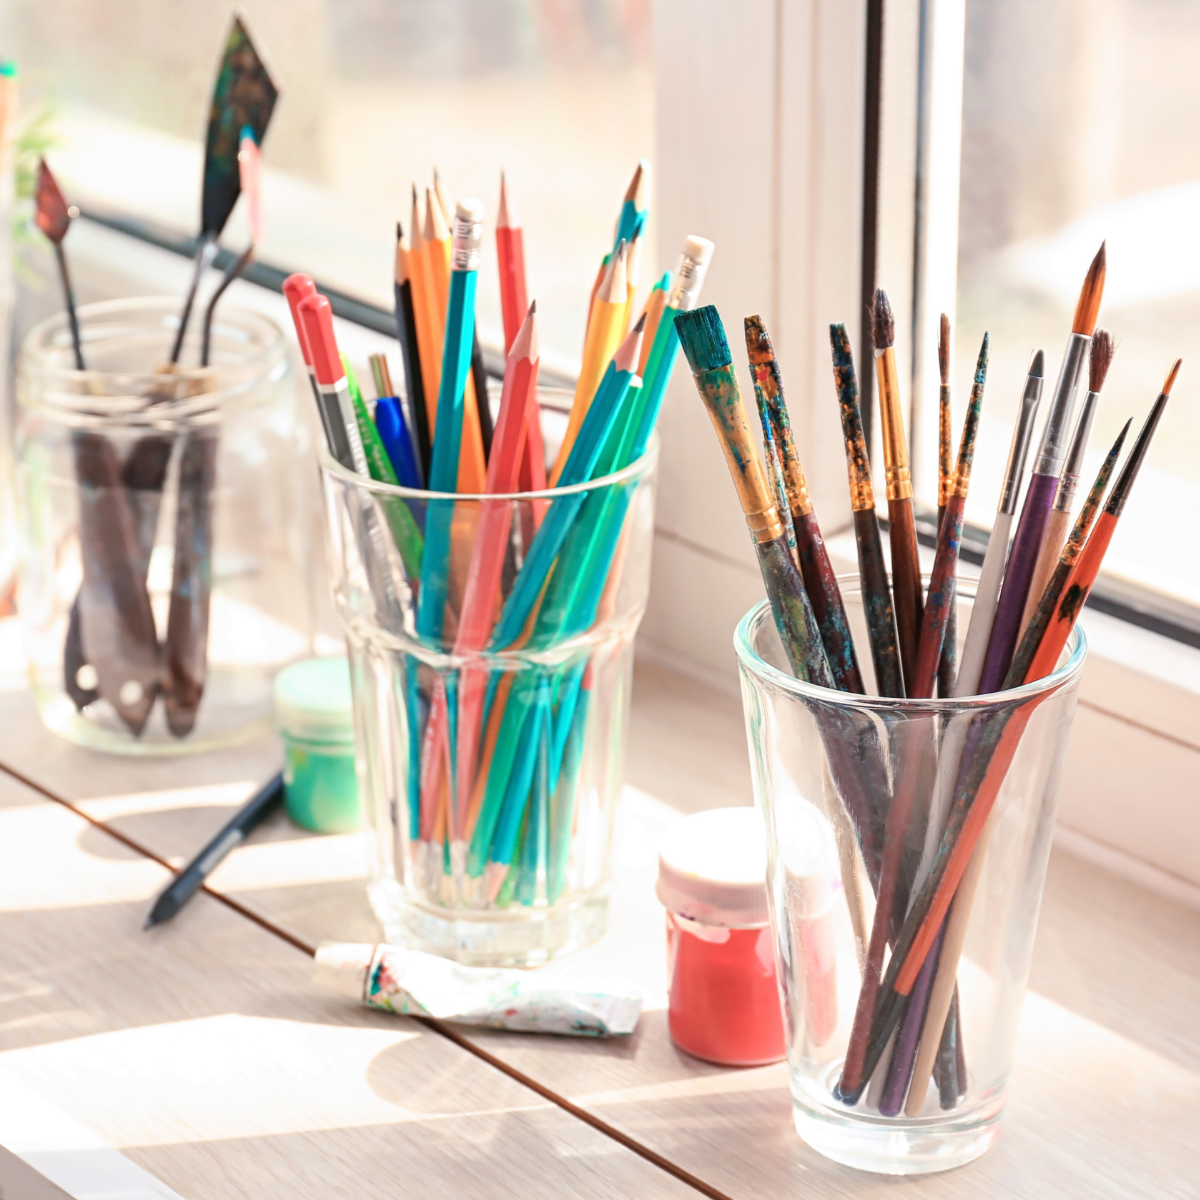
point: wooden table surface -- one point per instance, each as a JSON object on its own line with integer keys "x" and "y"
{"x": 203, "y": 1052}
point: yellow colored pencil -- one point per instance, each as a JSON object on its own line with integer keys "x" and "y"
{"x": 604, "y": 335}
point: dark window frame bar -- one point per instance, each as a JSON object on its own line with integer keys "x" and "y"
{"x": 1126, "y": 601}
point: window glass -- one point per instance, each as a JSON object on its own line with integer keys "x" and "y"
{"x": 1079, "y": 127}
{"x": 375, "y": 93}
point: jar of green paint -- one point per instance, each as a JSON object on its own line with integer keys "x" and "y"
{"x": 316, "y": 722}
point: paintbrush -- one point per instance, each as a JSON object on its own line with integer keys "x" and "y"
{"x": 877, "y": 598}
{"x": 1043, "y": 483}
{"x": 902, "y": 530}
{"x": 815, "y": 568}
{"x": 947, "y": 665}
{"x": 1099, "y": 360}
{"x": 987, "y": 591}
{"x": 244, "y": 95}
{"x": 940, "y": 601}
{"x": 702, "y": 337}
{"x": 1052, "y": 592}
{"x": 933, "y": 627}
{"x": 1087, "y": 566}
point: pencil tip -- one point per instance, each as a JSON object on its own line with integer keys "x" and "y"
{"x": 641, "y": 324}
{"x": 532, "y": 307}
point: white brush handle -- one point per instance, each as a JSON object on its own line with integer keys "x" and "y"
{"x": 970, "y": 666}
{"x": 1057, "y": 529}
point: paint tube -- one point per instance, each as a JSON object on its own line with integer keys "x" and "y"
{"x": 559, "y": 1000}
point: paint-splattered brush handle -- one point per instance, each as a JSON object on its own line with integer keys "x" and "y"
{"x": 948, "y": 664}
{"x": 877, "y": 600}
{"x": 794, "y": 617}
{"x": 826, "y": 596}
{"x": 940, "y": 601}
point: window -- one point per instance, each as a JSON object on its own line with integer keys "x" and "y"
{"x": 375, "y": 93}
{"x": 1076, "y": 129}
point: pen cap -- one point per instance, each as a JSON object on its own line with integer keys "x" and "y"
{"x": 296, "y": 288}
{"x": 712, "y": 868}
{"x": 342, "y": 967}
{"x": 312, "y": 700}
{"x": 316, "y": 317}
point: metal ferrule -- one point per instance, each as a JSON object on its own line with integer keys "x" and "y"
{"x": 764, "y": 525}
{"x": 1017, "y": 452}
{"x": 685, "y": 291}
{"x": 862, "y": 494}
{"x": 895, "y": 452}
{"x": 1068, "y": 482}
{"x": 468, "y": 244}
{"x": 1049, "y": 459}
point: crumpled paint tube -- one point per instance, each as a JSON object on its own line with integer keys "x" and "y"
{"x": 563, "y": 1001}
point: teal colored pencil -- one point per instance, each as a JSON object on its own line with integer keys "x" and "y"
{"x": 634, "y": 207}
{"x": 447, "y": 442}
{"x": 535, "y": 840}
{"x": 562, "y": 808}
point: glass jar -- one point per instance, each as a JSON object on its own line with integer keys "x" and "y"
{"x": 490, "y": 775}
{"x": 164, "y": 527}
{"x": 315, "y": 717}
{"x": 724, "y": 996}
{"x": 959, "y": 797}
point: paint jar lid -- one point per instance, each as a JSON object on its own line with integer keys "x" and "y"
{"x": 712, "y": 868}
{"x": 312, "y": 700}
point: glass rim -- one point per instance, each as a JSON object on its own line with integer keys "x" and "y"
{"x": 44, "y": 342}
{"x": 748, "y": 657}
{"x": 639, "y": 468}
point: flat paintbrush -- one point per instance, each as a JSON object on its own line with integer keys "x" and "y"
{"x": 815, "y": 567}
{"x": 1099, "y": 360}
{"x": 902, "y": 530}
{"x": 877, "y": 597}
{"x": 948, "y": 663}
{"x": 1043, "y": 483}
{"x": 702, "y": 337}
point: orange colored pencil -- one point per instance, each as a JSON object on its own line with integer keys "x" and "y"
{"x": 429, "y": 342}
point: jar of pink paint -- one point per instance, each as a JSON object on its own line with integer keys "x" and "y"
{"x": 724, "y": 996}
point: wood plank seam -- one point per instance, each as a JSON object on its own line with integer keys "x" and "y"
{"x": 453, "y": 1035}
{"x": 1141, "y": 725}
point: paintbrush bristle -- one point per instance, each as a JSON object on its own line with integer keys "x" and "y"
{"x": 1090, "y": 295}
{"x": 944, "y": 350}
{"x": 52, "y": 214}
{"x": 702, "y": 337}
{"x": 758, "y": 341}
{"x": 1100, "y": 359}
{"x": 1171, "y": 376}
{"x": 883, "y": 324}
{"x": 1038, "y": 368}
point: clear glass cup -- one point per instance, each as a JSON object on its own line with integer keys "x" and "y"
{"x": 857, "y": 789}
{"x": 490, "y": 770}
{"x": 165, "y": 527}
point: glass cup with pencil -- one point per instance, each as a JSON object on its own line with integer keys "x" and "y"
{"x": 490, "y": 596}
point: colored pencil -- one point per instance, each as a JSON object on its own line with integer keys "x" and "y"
{"x": 987, "y": 591}
{"x": 1087, "y": 566}
{"x": 635, "y": 206}
{"x": 902, "y": 530}
{"x": 877, "y": 597}
{"x": 948, "y": 664}
{"x": 1099, "y": 360}
{"x": 514, "y": 304}
{"x": 410, "y": 351}
{"x": 603, "y": 334}
{"x": 702, "y": 337}
{"x": 1043, "y": 483}
{"x": 518, "y": 406}
{"x": 815, "y": 567}
{"x": 656, "y": 304}
{"x": 425, "y": 315}
{"x": 445, "y": 473}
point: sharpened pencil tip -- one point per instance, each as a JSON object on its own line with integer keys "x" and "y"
{"x": 640, "y": 327}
